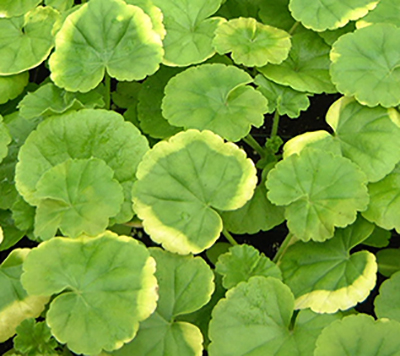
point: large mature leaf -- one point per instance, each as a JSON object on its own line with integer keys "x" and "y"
{"x": 366, "y": 64}
{"x": 307, "y": 67}
{"x": 12, "y": 8}
{"x": 386, "y": 305}
{"x": 254, "y": 319}
{"x": 101, "y": 297}
{"x": 104, "y": 36}
{"x": 29, "y": 40}
{"x": 190, "y": 30}
{"x": 367, "y": 136}
{"x": 185, "y": 285}
{"x": 252, "y": 43}
{"x": 181, "y": 182}
{"x": 321, "y": 15}
{"x": 83, "y": 134}
{"x": 11, "y": 86}
{"x": 15, "y": 304}
{"x": 324, "y": 276}
{"x": 387, "y": 11}
{"x": 214, "y": 97}
{"x": 359, "y": 335}
{"x": 320, "y": 191}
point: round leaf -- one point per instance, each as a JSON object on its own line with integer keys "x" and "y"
{"x": 12, "y": 8}
{"x": 252, "y": 43}
{"x": 366, "y": 64}
{"x": 307, "y": 67}
{"x": 29, "y": 40}
{"x": 320, "y": 191}
{"x": 11, "y": 86}
{"x": 99, "y": 305}
{"x": 387, "y": 11}
{"x": 386, "y": 305}
{"x": 214, "y": 97}
{"x": 104, "y": 35}
{"x": 359, "y": 335}
{"x": 325, "y": 277}
{"x": 321, "y": 15}
{"x": 181, "y": 182}
{"x": 367, "y": 136}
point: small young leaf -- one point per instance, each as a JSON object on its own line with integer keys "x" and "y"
{"x": 386, "y": 305}
{"x": 13, "y": 85}
{"x": 181, "y": 182}
{"x": 243, "y": 262}
{"x": 214, "y": 97}
{"x": 388, "y": 261}
{"x": 98, "y": 305}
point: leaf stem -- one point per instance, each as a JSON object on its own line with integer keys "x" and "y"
{"x": 293, "y": 28}
{"x": 229, "y": 237}
{"x": 284, "y": 246}
{"x": 251, "y": 141}
{"x": 275, "y": 124}
{"x": 107, "y": 94}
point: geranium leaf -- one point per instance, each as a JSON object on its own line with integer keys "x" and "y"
{"x": 387, "y": 11}
{"x": 324, "y": 276}
{"x": 78, "y": 197}
{"x": 104, "y": 35}
{"x": 13, "y": 8}
{"x": 254, "y": 318}
{"x": 320, "y": 191}
{"x": 126, "y": 94}
{"x": 385, "y": 201}
{"x": 239, "y": 8}
{"x": 29, "y": 40}
{"x": 388, "y": 261}
{"x": 5, "y": 139}
{"x": 386, "y": 302}
{"x": 276, "y": 13}
{"x": 13, "y": 85}
{"x": 98, "y": 306}
{"x": 353, "y": 125}
{"x": 190, "y": 30}
{"x": 181, "y": 182}
{"x": 83, "y": 134}
{"x": 321, "y": 15}
{"x": 243, "y": 262}
{"x": 307, "y": 67}
{"x": 330, "y": 37}
{"x": 366, "y": 59}
{"x": 285, "y": 100}
{"x": 379, "y": 238}
{"x": 60, "y": 5}
{"x": 359, "y": 335}
{"x": 252, "y": 43}
{"x": 15, "y": 304}
{"x": 11, "y": 234}
{"x": 185, "y": 285}
{"x": 221, "y": 101}
{"x": 23, "y": 214}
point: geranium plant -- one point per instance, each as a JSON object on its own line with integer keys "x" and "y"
{"x": 142, "y": 160}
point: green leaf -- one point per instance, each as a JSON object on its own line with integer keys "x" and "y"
{"x": 13, "y": 85}
{"x": 255, "y": 317}
{"x": 367, "y": 136}
{"x": 281, "y": 98}
{"x": 150, "y": 98}
{"x": 11, "y": 234}
{"x": 181, "y": 182}
{"x": 386, "y": 305}
{"x": 307, "y": 67}
{"x": 5, "y": 139}
{"x": 98, "y": 305}
{"x": 252, "y": 43}
{"x": 387, "y": 11}
{"x": 50, "y": 100}
{"x": 60, "y": 5}
{"x": 23, "y": 214}
{"x": 83, "y": 134}
{"x": 359, "y": 335}
{"x": 214, "y": 97}
{"x": 15, "y": 304}
{"x": 78, "y": 197}
{"x": 384, "y": 202}
{"x": 34, "y": 339}
{"x": 365, "y": 64}
{"x": 276, "y": 13}
{"x": 185, "y": 285}
{"x": 29, "y": 40}
{"x": 330, "y": 37}
{"x": 126, "y": 94}
{"x": 239, "y": 8}
{"x": 379, "y": 238}
{"x": 257, "y": 214}
{"x": 325, "y": 276}
{"x": 12, "y": 8}
{"x": 320, "y": 190}
{"x": 388, "y": 261}
{"x": 243, "y": 262}
{"x": 104, "y": 36}
{"x": 321, "y": 15}
{"x": 190, "y": 30}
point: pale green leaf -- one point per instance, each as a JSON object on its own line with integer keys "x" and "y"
{"x": 11, "y": 86}
{"x": 12, "y": 8}
{"x": 387, "y": 11}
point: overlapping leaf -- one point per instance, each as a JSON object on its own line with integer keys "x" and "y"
{"x": 236, "y": 8}
{"x": 388, "y": 261}
{"x": 29, "y": 40}
{"x": 5, "y": 139}
{"x": 11, "y": 86}
{"x": 366, "y": 64}
{"x": 98, "y": 305}
{"x": 320, "y": 190}
{"x": 386, "y": 305}
{"x": 325, "y": 276}
{"x": 11, "y": 234}
{"x": 12, "y": 8}
{"x": 214, "y": 97}
{"x": 276, "y": 13}
{"x": 387, "y": 11}
{"x": 104, "y": 35}
{"x": 185, "y": 285}
{"x": 181, "y": 182}
{"x": 60, "y": 5}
